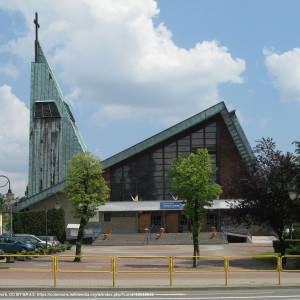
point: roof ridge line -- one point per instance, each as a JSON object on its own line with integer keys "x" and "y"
{"x": 163, "y": 135}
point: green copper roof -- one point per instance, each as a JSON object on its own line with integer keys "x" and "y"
{"x": 42, "y": 195}
{"x": 54, "y": 137}
{"x": 230, "y": 120}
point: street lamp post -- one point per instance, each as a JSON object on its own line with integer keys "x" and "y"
{"x": 46, "y": 215}
{"x": 9, "y": 198}
{"x": 293, "y": 195}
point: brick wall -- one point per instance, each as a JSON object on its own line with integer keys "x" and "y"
{"x": 231, "y": 167}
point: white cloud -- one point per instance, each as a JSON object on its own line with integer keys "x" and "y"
{"x": 285, "y": 70}
{"x": 14, "y": 123}
{"x": 112, "y": 54}
{"x": 9, "y": 70}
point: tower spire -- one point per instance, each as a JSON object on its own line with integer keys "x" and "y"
{"x": 37, "y": 26}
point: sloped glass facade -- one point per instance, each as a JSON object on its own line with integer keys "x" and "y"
{"x": 146, "y": 174}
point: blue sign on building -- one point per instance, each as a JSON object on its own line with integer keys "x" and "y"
{"x": 171, "y": 205}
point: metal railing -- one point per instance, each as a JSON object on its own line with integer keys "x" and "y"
{"x": 171, "y": 265}
{"x": 228, "y": 269}
{"x": 110, "y": 261}
{"x": 50, "y": 269}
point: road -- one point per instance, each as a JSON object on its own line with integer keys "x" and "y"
{"x": 228, "y": 294}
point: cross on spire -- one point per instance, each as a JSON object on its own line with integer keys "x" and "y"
{"x": 37, "y": 26}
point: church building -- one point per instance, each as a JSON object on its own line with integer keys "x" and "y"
{"x": 140, "y": 195}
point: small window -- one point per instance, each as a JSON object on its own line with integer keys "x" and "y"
{"x": 45, "y": 109}
{"x": 107, "y": 217}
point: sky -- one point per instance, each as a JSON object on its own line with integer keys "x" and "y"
{"x": 131, "y": 68}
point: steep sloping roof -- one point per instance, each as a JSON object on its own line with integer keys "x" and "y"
{"x": 42, "y": 195}
{"x": 54, "y": 136}
{"x": 230, "y": 120}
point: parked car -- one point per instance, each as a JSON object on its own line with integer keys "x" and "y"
{"x": 26, "y": 241}
{"x": 50, "y": 239}
{"x": 11, "y": 246}
{"x": 30, "y": 238}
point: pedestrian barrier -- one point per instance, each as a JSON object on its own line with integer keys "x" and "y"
{"x": 228, "y": 268}
{"x": 169, "y": 265}
{"x": 50, "y": 269}
{"x": 290, "y": 264}
{"x": 285, "y": 267}
{"x": 60, "y": 259}
{"x": 178, "y": 269}
{"x": 167, "y": 270}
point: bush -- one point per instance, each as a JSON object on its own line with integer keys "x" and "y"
{"x": 53, "y": 250}
{"x": 294, "y": 250}
{"x": 288, "y": 244}
{"x": 296, "y": 232}
{"x": 277, "y": 246}
{"x": 68, "y": 246}
{"x": 293, "y": 263}
{"x": 34, "y": 222}
{"x": 291, "y": 243}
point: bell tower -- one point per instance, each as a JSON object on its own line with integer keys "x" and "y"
{"x": 54, "y": 137}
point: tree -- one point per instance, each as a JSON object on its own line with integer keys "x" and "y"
{"x": 191, "y": 178}
{"x": 35, "y": 222}
{"x": 296, "y": 181}
{"x": 56, "y": 223}
{"x": 86, "y": 189}
{"x": 2, "y": 200}
{"x": 265, "y": 198}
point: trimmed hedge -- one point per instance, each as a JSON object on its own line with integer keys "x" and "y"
{"x": 45, "y": 251}
{"x": 34, "y": 222}
{"x": 296, "y": 232}
{"x": 288, "y": 244}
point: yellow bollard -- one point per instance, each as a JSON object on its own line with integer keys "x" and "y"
{"x": 226, "y": 266}
{"x": 114, "y": 267}
{"x": 279, "y": 268}
{"x": 54, "y": 268}
{"x": 171, "y": 270}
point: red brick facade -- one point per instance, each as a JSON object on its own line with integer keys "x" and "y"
{"x": 231, "y": 166}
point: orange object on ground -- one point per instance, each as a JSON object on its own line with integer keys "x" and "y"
{"x": 160, "y": 233}
{"x": 213, "y": 233}
{"x": 108, "y": 233}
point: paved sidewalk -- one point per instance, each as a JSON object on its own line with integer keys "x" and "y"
{"x": 149, "y": 272}
{"x": 176, "y": 250}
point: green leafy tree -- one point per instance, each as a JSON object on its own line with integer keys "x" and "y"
{"x": 35, "y": 222}
{"x": 265, "y": 193}
{"x": 296, "y": 181}
{"x": 191, "y": 178}
{"x": 1, "y": 202}
{"x": 86, "y": 189}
